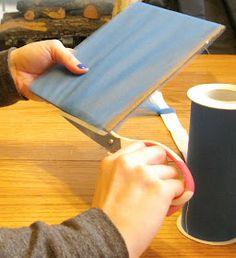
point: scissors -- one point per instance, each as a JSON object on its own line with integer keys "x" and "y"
{"x": 113, "y": 142}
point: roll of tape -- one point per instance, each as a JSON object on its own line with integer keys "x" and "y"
{"x": 209, "y": 217}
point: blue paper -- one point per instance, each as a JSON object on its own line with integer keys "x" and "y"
{"x": 129, "y": 58}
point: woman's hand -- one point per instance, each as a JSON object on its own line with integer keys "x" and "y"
{"x": 135, "y": 189}
{"x": 30, "y": 61}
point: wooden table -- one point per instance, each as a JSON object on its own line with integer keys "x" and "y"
{"x": 48, "y": 168}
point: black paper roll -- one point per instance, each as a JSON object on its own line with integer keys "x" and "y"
{"x": 210, "y": 216}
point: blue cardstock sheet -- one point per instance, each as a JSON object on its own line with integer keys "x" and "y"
{"x": 129, "y": 58}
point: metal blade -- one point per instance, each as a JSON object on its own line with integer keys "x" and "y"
{"x": 105, "y": 139}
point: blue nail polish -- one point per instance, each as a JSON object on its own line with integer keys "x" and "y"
{"x": 82, "y": 66}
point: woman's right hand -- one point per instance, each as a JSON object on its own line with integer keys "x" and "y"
{"x": 135, "y": 189}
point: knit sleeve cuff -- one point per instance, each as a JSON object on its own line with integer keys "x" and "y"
{"x": 8, "y": 92}
{"x": 100, "y": 233}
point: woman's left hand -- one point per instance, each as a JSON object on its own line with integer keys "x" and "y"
{"x": 27, "y": 63}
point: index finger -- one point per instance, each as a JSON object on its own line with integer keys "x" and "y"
{"x": 148, "y": 155}
{"x": 134, "y": 146}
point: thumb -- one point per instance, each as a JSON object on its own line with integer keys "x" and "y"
{"x": 66, "y": 57}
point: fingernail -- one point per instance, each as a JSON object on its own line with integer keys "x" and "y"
{"x": 82, "y": 66}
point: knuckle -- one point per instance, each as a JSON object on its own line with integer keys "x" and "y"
{"x": 56, "y": 43}
{"x": 125, "y": 162}
{"x": 126, "y": 166}
{"x": 164, "y": 190}
{"x": 154, "y": 182}
{"x": 161, "y": 152}
{"x": 174, "y": 172}
{"x": 170, "y": 190}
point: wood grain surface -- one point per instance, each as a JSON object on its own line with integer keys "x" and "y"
{"x": 48, "y": 168}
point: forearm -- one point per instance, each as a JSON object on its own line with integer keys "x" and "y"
{"x": 8, "y": 92}
{"x": 90, "y": 234}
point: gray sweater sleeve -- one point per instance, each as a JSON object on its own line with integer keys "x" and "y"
{"x": 8, "y": 92}
{"x": 90, "y": 234}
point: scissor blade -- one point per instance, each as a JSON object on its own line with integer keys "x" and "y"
{"x": 105, "y": 139}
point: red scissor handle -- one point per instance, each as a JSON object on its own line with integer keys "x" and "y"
{"x": 183, "y": 169}
{"x": 185, "y": 172}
